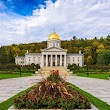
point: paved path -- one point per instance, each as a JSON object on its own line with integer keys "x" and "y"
{"x": 10, "y": 87}
{"x": 97, "y": 87}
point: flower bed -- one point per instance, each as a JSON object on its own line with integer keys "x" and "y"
{"x": 52, "y": 92}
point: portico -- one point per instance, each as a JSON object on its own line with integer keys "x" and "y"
{"x": 50, "y": 60}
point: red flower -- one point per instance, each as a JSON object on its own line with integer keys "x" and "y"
{"x": 57, "y": 72}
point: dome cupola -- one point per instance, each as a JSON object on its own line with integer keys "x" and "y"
{"x": 53, "y": 36}
{"x": 53, "y": 40}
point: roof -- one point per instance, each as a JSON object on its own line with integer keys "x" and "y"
{"x": 20, "y": 56}
{"x": 33, "y": 54}
{"x": 53, "y": 36}
{"x": 54, "y": 49}
{"x": 74, "y": 54}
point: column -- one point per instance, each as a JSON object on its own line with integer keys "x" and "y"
{"x": 51, "y": 61}
{"x": 64, "y": 60}
{"x": 46, "y": 60}
{"x": 60, "y": 60}
{"x": 42, "y": 60}
{"x": 55, "y": 60}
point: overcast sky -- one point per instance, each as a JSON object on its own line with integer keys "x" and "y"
{"x": 23, "y": 21}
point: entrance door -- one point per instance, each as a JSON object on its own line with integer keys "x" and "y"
{"x": 53, "y": 63}
{"x": 53, "y": 60}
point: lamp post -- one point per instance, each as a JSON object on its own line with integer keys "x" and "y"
{"x": 34, "y": 69}
{"x": 86, "y": 61}
{"x": 87, "y": 69}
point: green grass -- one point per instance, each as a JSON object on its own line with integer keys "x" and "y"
{"x": 8, "y": 103}
{"x": 97, "y": 75}
{"x": 93, "y": 74}
{"x": 95, "y": 101}
{"x": 8, "y": 75}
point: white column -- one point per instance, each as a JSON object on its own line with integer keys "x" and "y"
{"x": 46, "y": 60}
{"x": 64, "y": 60}
{"x": 60, "y": 60}
{"x": 51, "y": 61}
{"x": 42, "y": 60}
{"x": 55, "y": 60}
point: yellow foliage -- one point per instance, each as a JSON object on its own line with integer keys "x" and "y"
{"x": 100, "y": 48}
{"x": 89, "y": 59}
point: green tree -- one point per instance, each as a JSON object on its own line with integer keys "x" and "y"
{"x": 3, "y": 55}
{"x": 100, "y": 59}
{"x": 106, "y": 55}
{"x": 10, "y": 56}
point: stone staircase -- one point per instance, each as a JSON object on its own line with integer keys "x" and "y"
{"x": 45, "y": 71}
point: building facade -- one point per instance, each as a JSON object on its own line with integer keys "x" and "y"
{"x": 51, "y": 56}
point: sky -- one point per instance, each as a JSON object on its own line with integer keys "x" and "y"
{"x": 27, "y": 21}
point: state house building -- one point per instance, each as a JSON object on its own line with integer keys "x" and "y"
{"x": 51, "y": 56}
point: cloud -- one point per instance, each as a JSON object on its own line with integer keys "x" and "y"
{"x": 2, "y": 6}
{"x": 82, "y": 18}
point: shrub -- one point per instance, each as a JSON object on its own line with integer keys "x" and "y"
{"x": 73, "y": 67}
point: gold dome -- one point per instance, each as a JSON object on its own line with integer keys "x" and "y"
{"x": 53, "y": 36}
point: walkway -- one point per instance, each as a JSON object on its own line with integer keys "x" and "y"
{"x": 10, "y": 87}
{"x": 97, "y": 87}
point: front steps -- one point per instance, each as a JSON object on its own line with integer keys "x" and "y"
{"x": 45, "y": 71}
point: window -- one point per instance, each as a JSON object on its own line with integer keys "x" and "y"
{"x": 56, "y": 44}
{"x": 29, "y": 58}
{"x": 78, "y": 58}
{"x": 38, "y": 59}
{"x": 22, "y": 58}
{"x": 22, "y": 62}
{"x": 34, "y": 59}
{"x": 53, "y": 44}
{"x": 73, "y": 59}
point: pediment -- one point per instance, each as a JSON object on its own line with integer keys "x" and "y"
{"x": 54, "y": 49}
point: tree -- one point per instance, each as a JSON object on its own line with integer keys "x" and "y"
{"x": 106, "y": 55}
{"x": 89, "y": 60}
{"x": 100, "y": 59}
{"x": 10, "y": 56}
{"x": 108, "y": 40}
{"x": 3, "y": 55}
{"x": 101, "y": 39}
{"x": 100, "y": 48}
{"x": 104, "y": 58}
{"x": 74, "y": 38}
{"x": 87, "y": 50}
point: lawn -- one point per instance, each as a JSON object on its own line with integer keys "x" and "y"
{"x": 9, "y": 75}
{"x": 97, "y": 75}
{"x": 93, "y": 74}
